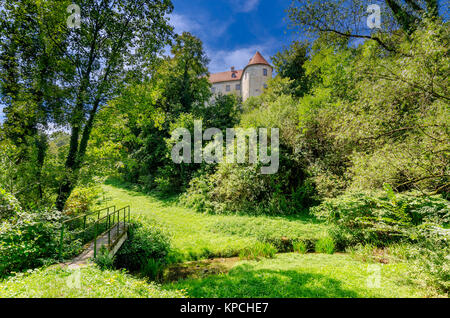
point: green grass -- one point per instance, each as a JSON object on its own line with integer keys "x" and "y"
{"x": 196, "y": 236}
{"x": 295, "y": 275}
{"x": 86, "y": 282}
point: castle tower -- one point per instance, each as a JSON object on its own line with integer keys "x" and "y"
{"x": 255, "y": 76}
{"x": 245, "y": 83}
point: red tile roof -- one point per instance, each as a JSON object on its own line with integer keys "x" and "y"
{"x": 225, "y": 76}
{"x": 258, "y": 59}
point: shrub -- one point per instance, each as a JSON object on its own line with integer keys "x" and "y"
{"x": 28, "y": 239}
{"x": 243, "y": 189}
{"x": 104, "y": 260}
{"x": 380, "y": 219}
{"x": 153, "y": 268}
{"x": 81, "y": 200}
{"x": 300, "y": 247}
{"x": 258, "y": 251}
{"x": 146, "y": 244}
{"x": 430, "y": 259}
{"x": 9, "y": 205}
{"x": 325, "y": 245}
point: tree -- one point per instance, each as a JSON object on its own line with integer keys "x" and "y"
{"x": 184, "y": 77}
{"x": 29, "y": 64}
{"x": 289, "y": 63}
{"x": 348, "y": 18}
{"x": 146, "y": 110}
{"x": 115, "y": 39}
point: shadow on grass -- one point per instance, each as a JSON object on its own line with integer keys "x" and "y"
{"x": 245, "y": 282}
{"x": 137, "y": 190}
{"x": 172, "y": 199}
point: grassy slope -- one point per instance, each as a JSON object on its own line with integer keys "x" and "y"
{"x": 57, "y": 282}
{"x": 288, "y": 275}
{"x": 202, "y": 235}
{"x": 296, "y": 275}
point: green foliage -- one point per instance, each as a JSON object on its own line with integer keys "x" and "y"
{"x": 258, "y": 251}
{"x": 103, "y": 259}
{"x": 290, "y": 64}
{"x": 380, "y": 219}
{"x": 300, "y": 247}
{"x": 153, "y": 268}
{"x": 325, "y": 245}
{"x": 81, "y": 201}
{"x": 9, "y": 205}
{"x": 147, "y": 246}
{"x": 28, "y": 240}
{"x": 430, "y": 264}
{"x": 235, "y": 188}
{"x": 222, "y": 112}
{"x": 84, "y": 282}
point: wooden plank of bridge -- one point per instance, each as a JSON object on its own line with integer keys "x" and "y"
{"x": 118, "y": 237}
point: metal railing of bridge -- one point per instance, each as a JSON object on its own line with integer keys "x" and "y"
{"x": 90, "y": 226}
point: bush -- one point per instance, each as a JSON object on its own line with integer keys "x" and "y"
{"x": 243, "y": 189}
{"x": 81, "y": 201}
{"x": 258, "y": 251}
{"x": 430, "y": 259}
{"x": 300, "y": 247}
{"x": 104, "y": 260}
{"x": 9, "y": 205}
{"x": 380, "y": 218}
{"x": 325, "y": 245}
{"x": 28, "y": 240}
{"x": 146, "y": 245}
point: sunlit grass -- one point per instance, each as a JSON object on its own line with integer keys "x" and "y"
{"x": 197, "y": 235}
{"x": 307, "y": 275}
{"x": 86, "y": 282}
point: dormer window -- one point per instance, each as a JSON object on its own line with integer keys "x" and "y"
{"x": 265, "y": 72}
{"x": 233, "y": 75}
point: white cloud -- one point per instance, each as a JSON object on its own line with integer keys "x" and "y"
{"x": 222, "y": 60}
{"x": 201, "y": 25}
{"x": 182, "y": 23}
{"x": 244, "y": 5}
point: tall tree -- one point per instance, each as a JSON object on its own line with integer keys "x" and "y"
{"x": 289, "y": 63}
{"x": 29, "y": 65}
{"x": 348, "y": 18}
{"x": 184, "y": 76}
{"x": 112, "y": 40}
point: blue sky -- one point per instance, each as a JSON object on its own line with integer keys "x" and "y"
{"x": 233, "y": 30}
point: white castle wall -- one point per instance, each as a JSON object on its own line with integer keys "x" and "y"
{"x": 253, "y": 80}
{"x": 251, "y": 84}
{"x": 222, "y": 88}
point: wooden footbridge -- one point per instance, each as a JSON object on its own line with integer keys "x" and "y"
{"x": 107, "y": 227}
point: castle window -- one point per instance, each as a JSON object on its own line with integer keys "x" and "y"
{"x": 238, "y": 87}
{"x": 265, "y": 72}
{"x": 265, "y": 86}
{"x": 233, "y": 75}
{"x": 213, "y": 90}
{"x": 228, "y": 88}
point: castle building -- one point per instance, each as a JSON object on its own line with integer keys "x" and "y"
{"x": 245, "y": 83}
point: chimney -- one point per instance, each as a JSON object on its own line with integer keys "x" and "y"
{"x": 232, "y": 68}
